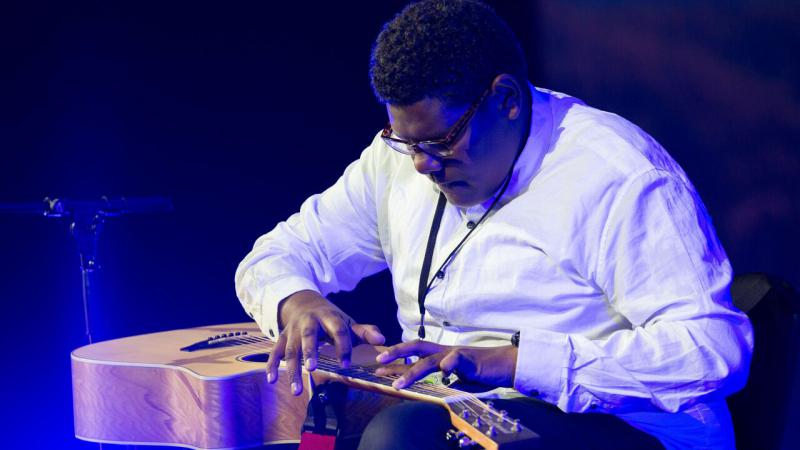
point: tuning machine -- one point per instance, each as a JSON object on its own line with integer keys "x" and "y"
{"x": 458, "y": 439}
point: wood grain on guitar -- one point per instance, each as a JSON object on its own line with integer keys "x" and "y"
{"x": 205, "y": 388}
{"x": 145, "y": 390}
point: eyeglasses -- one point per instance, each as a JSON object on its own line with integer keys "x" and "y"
{"x": 440, "y": 148}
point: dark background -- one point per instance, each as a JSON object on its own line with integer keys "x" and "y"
{"x": 240, "y": 110}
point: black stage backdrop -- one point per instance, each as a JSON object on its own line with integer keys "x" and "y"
{"x": 240, "y": 110}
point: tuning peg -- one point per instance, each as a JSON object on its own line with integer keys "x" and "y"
{"x": 458, "y": 438}
{"x": 465, "y": 442}
{"x": 517, "y": 427}
{"x": 453, "y": 435}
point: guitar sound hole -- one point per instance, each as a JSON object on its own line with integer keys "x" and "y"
{"x": 255, "y": 357}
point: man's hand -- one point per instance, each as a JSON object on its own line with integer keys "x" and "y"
{"x": 494, "y": 366}
{"x": 306, "y": 317}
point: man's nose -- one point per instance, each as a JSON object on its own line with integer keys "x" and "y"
{"x": 425, "y": 163}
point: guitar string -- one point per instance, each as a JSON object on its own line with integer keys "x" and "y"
{"x": 433, "y": 390}
{"x": 467, "y": 400}
{"x": 256, "y": 343}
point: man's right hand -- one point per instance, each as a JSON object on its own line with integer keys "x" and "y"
{"x": 306, "y": 317}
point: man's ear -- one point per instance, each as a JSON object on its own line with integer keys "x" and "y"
{"x": 510, "y": 95}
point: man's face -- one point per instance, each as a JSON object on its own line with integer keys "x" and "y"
{"x": 482, "y": 154}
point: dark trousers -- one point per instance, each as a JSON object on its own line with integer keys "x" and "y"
{"x": 417, "y": 425}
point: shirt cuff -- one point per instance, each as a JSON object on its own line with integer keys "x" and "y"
{"x": 542, "y": 363}
{"x": 273, "y": 293}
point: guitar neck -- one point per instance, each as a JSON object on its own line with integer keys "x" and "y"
{"x": 365, "y": 377}
{"x": 478, "y": 420}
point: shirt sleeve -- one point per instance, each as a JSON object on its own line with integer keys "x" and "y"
{"x": 328, "y": 246}
{"x": 663, "y": 269}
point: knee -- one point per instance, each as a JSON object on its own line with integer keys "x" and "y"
{"x": 407, "y": 425}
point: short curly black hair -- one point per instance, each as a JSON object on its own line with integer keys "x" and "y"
{"x": 445, "y": 49}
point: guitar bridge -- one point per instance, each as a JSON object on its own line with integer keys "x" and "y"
{"x": 231, "y": 339}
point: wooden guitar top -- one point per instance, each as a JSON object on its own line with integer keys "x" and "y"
{"x": 162, "y": 349}
{"x": 146, "y": 390}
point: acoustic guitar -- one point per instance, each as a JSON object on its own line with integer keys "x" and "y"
{"x": 205, "y": 388}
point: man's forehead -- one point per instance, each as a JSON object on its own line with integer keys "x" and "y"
{"x": 428, "y": 118}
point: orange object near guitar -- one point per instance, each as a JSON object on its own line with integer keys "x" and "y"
{"x": 205, "y": 388}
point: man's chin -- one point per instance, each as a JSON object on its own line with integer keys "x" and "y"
{"x": 461, "y": 199}
{"x": 461, "y": 194}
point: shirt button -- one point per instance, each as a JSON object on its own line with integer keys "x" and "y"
{"x": 271, "y": 333}
{"x": 446, "y": 323}
{"x": 440, "y": 274}
{"x": 470, "y": 224}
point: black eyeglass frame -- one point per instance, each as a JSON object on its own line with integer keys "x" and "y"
{"x": 444, "y": 144}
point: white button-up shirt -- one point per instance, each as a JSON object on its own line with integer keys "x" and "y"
{"x": 601, "y": 253}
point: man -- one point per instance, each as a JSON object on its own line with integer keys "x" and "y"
{"x": 502, "y": 208}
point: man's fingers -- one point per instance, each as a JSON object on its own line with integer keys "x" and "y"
{"x": 368, "y": 333}
{"x": 417, "y": 371}
{"x": 406, "y": 349}
{"x": 293, "y": 366}
{"x": 275, "y": 358}
{"x": 308, "y": 336}
{"x": 391, "y": 370}
{"x": 339, "y": 331}
{"x": 451, "y": 362}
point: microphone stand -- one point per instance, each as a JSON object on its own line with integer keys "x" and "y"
{"x": 87, "y": 220}
{"x": 87, "y": 223}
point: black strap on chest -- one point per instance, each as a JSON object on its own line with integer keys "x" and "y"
{"x": 426, "y": 263}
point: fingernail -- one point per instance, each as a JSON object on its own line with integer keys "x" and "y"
{"x": 270, "y": 377}
{"x": 398, "y": 383}
{"x": 382, "y": 356}
{"x": 345, "y": 363}
{"x": 295, "y": 388}
{"x": 311, "y": 364}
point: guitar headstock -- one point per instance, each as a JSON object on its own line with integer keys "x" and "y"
{"x": 488, "y": 426}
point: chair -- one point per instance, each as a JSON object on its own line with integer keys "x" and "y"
{"x": 765, "y": 413}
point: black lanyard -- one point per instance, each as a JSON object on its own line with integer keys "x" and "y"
{"x": 426, "y": 263}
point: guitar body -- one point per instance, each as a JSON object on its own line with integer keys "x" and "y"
{"x": 206, "y": 388}
{"x": 146, "y": 390}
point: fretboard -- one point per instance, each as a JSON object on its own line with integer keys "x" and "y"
{"x": 366, "y": 373}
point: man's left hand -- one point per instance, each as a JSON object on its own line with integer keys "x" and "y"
{"x": 494, "y": 366}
